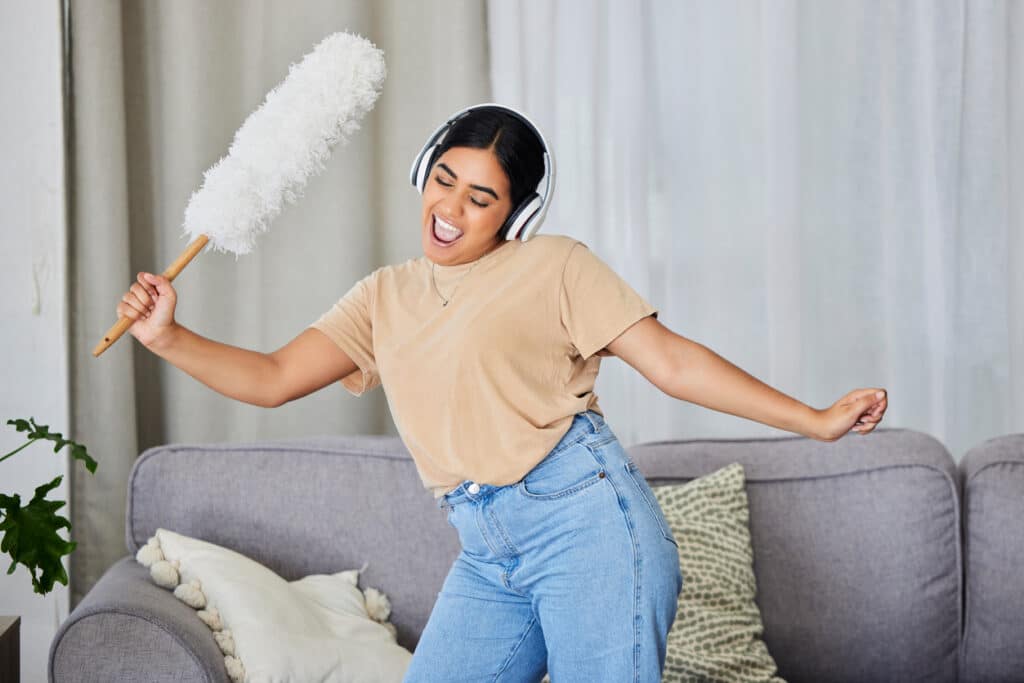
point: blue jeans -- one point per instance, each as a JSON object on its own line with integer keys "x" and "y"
{"x": 572, "y": 570}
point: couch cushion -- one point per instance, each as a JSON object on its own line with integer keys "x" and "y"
{"x": 311, "y": 505}
{"x": 717, "y": 631}
{"x": 325, "y": 628}
{"x": 856, "y": 549}
{"x": 992, "y": 476}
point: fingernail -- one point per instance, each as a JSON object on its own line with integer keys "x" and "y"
{"x": 879, "y": 394}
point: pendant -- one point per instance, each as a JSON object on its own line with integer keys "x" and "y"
{"x": 444, "y": 304}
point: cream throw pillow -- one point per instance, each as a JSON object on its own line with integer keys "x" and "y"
{"x": 317, "y": 628}
{"x": 716, "y": 636}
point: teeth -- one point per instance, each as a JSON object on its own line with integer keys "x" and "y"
{"x": 448, "y": 230}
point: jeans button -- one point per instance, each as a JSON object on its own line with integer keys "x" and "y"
{"x": 474, "y": 487}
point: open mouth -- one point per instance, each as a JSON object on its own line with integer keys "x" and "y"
{"x": 444, "y": 233}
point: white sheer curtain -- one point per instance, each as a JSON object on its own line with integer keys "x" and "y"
{"x": 826, "y": 194}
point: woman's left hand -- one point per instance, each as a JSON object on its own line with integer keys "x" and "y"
{"x": 858, "y": 411}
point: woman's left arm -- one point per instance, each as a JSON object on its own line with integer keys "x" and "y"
{"x": 690, "y": 371}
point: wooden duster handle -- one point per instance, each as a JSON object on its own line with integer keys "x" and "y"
{"x": 172, "y": 271}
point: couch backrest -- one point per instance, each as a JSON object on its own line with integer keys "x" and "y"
{"x": 993, "y": 487}
{"x": 856, "y": 549}
{"x": 856, "y": 543}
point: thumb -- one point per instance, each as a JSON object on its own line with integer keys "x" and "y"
{"x": 159, "y": 281}
{"x": 871, "y": 396}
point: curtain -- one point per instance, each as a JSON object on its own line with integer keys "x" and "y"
{"x": 829, "y": 195}
{"x": 158, "y": 90}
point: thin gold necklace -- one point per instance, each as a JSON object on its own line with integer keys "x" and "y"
{"x": 434, "y": 279}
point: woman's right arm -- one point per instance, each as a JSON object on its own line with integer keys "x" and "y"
{"x": 309, "y": 362}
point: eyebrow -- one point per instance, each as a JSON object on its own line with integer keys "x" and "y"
{"x": 475, "y": 187}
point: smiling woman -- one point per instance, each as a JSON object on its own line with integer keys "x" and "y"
{"x": 461, "y": 220}
{"x": 488, "y": 165}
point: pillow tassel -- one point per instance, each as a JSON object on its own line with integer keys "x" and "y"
{"x": 165, "y": 573}
{"x": 211, "y": 617}
{"x": 191, "y": 594}
{"x": 377, "y": 604}
{"x": 149, "y": 553}
{"x": 235, "y": 669}
{"x": 225, "y": 641}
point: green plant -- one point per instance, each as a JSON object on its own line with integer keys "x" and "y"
{"x": 30, "y": 533}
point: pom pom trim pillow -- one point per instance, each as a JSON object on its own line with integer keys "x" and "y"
{"x": 320, "y": 627}
{"x": 716, "y": 635}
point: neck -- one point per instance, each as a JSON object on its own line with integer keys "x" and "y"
{"x": 490, "y": 250}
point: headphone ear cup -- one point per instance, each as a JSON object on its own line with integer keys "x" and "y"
{"x": 518, "y": 218}
{"x": 421, "y": 167}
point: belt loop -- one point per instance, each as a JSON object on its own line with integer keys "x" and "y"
{"x": 593, "y": 419}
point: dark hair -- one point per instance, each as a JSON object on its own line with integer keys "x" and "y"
{"x": 517, "y": 147}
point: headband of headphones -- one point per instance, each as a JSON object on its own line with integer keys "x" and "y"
{"x": 525, "y": 219}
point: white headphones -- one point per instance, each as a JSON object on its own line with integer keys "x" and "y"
{"x": 525, "y": 219}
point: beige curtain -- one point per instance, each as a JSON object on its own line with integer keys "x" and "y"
{"x": 158, "y": 90}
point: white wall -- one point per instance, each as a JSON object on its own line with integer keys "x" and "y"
{"x": 33, "y": 334}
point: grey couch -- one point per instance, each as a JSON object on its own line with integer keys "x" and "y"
{"x": 877, "y": 558}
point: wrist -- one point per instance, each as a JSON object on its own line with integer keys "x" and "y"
{"x": 812, "y": 424}
{"x": 165, "y": 340}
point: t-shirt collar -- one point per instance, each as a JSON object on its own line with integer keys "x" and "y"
{"x": 457, "y": 269}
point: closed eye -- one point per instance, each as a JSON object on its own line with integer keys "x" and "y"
{"x": 438, "y": 179}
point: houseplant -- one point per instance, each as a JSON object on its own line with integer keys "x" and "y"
{"x": 30, "y": 532}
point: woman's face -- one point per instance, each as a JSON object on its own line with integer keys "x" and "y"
{"x": 467, "y": 189}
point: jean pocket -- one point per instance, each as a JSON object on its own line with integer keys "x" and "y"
{"x": 568, "y": 473}
{"x": 638, "y": 479}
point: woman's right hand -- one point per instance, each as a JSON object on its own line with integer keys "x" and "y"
{"x": 150, "y": 303}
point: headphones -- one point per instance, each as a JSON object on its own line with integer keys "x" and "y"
{"x": 525, "y": 219}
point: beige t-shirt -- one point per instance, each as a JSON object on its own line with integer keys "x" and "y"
{"x": 485, "y": 387}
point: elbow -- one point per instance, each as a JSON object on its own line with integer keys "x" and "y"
{"x": 682, "y": 361}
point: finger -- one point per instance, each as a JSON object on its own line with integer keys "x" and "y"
{"x": 162, "y": 284}
{"x": 143, "y": 295}
{"x": 144, "y": 281}
{"x": 873, "y": 396}
{"x": 133, "y": 302}
{"x": 125, "y": 310}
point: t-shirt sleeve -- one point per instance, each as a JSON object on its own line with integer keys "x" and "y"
{"x": 349, "y": 324}
{"x": 596, "y": 305}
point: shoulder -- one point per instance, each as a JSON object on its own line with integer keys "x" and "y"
{"x": 554, "y": 247}
{"x": 401, "y": 271}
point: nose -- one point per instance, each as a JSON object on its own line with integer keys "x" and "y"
{"x": 449, "y": 208}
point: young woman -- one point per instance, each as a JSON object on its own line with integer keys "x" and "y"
{"x": 488, "y": 347}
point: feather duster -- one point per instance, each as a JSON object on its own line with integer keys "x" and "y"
{"x": 278, "y": 148}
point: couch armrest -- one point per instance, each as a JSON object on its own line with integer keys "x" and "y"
{"x": 129, "y": 629}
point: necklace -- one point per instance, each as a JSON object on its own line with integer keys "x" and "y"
{"x": 434, "y": 280}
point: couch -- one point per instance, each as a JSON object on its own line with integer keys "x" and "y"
{"x": 877, "y": 558}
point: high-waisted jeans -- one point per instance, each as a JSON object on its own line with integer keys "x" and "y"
{"x": 572, "y": 570}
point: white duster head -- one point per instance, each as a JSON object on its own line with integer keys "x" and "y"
{"x": 285, "y": 141}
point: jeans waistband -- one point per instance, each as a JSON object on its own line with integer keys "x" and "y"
{"x": 587, "y": 422}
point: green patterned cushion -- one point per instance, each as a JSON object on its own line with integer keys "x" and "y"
{"x": 717, "y": 632}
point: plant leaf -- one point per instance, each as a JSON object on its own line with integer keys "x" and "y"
{"x": 30, "y": 536}
{"x": 78, "y": 451}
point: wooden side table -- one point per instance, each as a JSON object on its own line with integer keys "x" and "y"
{"x": 10, "y": 650}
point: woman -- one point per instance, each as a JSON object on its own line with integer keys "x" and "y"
{"x": 488, "y": 347}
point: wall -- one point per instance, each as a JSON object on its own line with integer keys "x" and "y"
{"x": 33, "y": 336}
